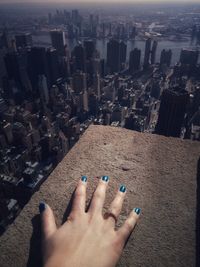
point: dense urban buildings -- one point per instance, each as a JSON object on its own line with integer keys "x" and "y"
{"x": 62, "y": 70}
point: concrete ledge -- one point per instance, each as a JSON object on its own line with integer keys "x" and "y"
{"x": 161, "y": 177}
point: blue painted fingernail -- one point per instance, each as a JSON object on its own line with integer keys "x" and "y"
{"x": 122, "y": 189}
{"x": 84, "y": 178}
{"x": 42, "y": 207}
{"x": 105, "y": 178}
{"x": 137, "y": 210}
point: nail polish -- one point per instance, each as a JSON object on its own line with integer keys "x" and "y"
{"x": 42, "y": 207}
{"x": 84, "y": 178}
{"x": 122, "y": 189}
{"x": 105, "y": 178}
{"x": 137, "y": 210}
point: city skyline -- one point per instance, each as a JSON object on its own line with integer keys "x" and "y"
{"x": 64, "y": 67}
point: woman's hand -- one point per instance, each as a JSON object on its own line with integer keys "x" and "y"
{"x": 87, "y": 239}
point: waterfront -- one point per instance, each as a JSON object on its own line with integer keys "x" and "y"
{"x": 101, "y": 45}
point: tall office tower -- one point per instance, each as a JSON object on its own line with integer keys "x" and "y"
{"x": 79, "y": 82}
{"x": 4, "y": 40}
{"x": 189, "y": 57}
{"x": 116, "y": 55}
{"x": 85, "y": 100}
{"x": 133, "y": 32}
{"x": 110, "y": 30}
{"x": 17, "y": 70}
{"x": 103, "y": 30}
{"x": 134, "y": 60}
{"x": 147, "y": 53}
{"x": 43, "y": 89}
{"x": 89, "y": 49}
{"x": 172, "y": 111}
{"x": 166, "y": 57}
{"x": 96, "y": 65}
{"x": 122, "y": 51}
{"x": 37, "y": 65}
{"x": 79, "y": 57}
{"x": 97, "y": 85}
{"x": 75, "y": 16}
{"x": 23, "y": 40}
{"x": 153, "y": 52}
{"x": 58, "y": 41}
{"x": 53, "y": 66}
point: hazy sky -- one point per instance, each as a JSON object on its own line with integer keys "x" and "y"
{"x": 95, "y": 1}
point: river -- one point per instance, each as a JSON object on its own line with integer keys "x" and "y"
{"x": 101, "y": 45}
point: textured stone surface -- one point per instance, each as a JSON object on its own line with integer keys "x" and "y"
{"x": 160, "y": 174}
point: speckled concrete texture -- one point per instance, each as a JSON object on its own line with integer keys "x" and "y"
{"x": 161, "y": 177}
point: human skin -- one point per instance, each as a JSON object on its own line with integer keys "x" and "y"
{"x": 87, "y": 239}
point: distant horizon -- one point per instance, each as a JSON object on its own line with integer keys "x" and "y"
{"x": 71, "y": 2}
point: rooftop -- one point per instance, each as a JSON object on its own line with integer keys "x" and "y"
{"x": 161, "y": 177}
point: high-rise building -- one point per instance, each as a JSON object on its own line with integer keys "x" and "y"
{"x": 89, "y": 49}
{"x": 75, "y": 16}
{"x": 16, "y": 66}
{"x": 116, "y": 55}
{"x": 134, "y": 60}
{"x": 37, "y": 65}
{"x": 189, "y": 57}
{"x": 97, "y": 86}
{"x": 122, "y": 51}
{"x": 43, "y": 89}
{"x": 165, "y": 57}
{"x": 23, "y": 40}
{"x": 58, "y": 41}
{"x": 52, "y": 65}
{"x": 172, "y": 111}
{"x": 79, "y": 58}
{"x": 153, "y": 52}
{"x": 147, "y": 53}
{"x": 79, "y": 82}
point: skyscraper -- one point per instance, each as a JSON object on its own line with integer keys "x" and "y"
{"x": 116, "y": 55}
{"x": 134, "y": 60}
{"x": 79, "y": 82}
{"x": 58, "y": 41}
{"x": 89, "y": 49}
{"x": 23, "y": 40}
{"x": 172, "y": 111}
{"x": 53, "y": 65}
{"x": 165, "y": 57}
{"x": 37, "y": 65}
{"x": 79, "y": 58}
{"x": 189, "y": 57}
{"x": 147, "y": 53}
{"x": 122, "y": 51}
{"x": 153, "y": 52}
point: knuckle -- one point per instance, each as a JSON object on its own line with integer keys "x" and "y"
{"x": 98, "y": 194}
{"x": 117, "y": 245}
{"x": 129, "y": 226}
{"x": 115, "y": 209}
{"x": 79, "y": 192}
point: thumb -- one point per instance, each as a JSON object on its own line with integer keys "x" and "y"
{"x": 47, "y": 220}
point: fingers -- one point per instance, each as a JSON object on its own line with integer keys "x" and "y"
{"x": 47, "y": 219}
{"x": 126, "y": 229}
{"x": 99, "y": 195}
{"x": 116, "y": 206}
{"x": 79, "y": 200}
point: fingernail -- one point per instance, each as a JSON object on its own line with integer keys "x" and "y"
{"x": 42, "y": 207}
{"x": 137, "y": 210}
{"x": 84, "y": 178}
{"x": 105, "y": 178}
{"x": 122, "y": 189}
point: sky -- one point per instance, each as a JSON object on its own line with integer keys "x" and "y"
{"x": 95, "y": 1}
